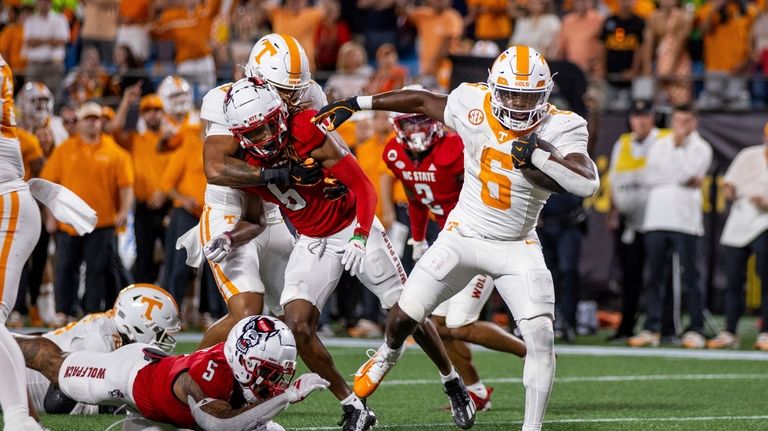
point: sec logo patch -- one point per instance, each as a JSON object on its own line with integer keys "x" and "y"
{"x": 475, "y": 116}
{"x": 392, "y": 155}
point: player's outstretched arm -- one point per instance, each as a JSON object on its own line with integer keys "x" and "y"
{"x": 406, "y": 101}
{"x": 218, "y": 415}
{"x": 42, "y": 354}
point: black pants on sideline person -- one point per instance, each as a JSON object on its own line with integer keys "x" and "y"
{"x": 148, "y": 229}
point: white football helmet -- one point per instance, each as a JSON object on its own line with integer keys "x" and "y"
{"x": 416, "y": 132}
{"x": 281, "y": 60}
{"x": 257, "y": 117}
{"x": 145, "y": 313}
{"x": 520, "y": 84}
{"x": 176, "y": 95}
{"x": 35, "y": 103}
{"x": 261, "y": 352}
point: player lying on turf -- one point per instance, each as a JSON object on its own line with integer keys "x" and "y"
{"x": 517, "y": 148}
{"x": 143, "y": 313}
{"x": 237, "y": 385}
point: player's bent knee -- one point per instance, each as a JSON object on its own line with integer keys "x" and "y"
{"x": 463, "y": 333}
{"x": 538, "y": 334}
{"x": 413, "y": 310}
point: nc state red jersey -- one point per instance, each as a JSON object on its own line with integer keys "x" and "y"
{"x": 306, "y": 206}
{"x": 153, "y": 386}
{"x": 433, "y": 182}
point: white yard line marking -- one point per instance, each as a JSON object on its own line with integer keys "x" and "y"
{"x": 596, "y": 379}
{"x": 564, "y": 421}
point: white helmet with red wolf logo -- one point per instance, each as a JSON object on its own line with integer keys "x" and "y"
{"x": 261, "y": 351}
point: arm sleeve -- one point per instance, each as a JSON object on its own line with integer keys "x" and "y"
{"x": 125, "y": 174}
{"x": 419, "y": 215}
{"x": 245, "y": 421}
{"x": 173, "y": 172}
{"x": 348, "y": 171}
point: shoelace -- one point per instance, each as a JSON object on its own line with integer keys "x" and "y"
{"x": 379, "y": 367}
{"x": 453, "y": 389}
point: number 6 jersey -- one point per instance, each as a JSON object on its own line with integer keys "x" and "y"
{"x": 497, "y": 202}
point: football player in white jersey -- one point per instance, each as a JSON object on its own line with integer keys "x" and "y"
{"x": 36, "y": 107}
{"x": 19, "y": 231}
{"x": 515, "y": 145}
{"x": 143, "y": 313}
{"x": 251, "y": 272}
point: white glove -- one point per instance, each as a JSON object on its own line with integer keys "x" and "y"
{"x": 419, "y": 248}
{"x": 354, "y": 253}
{"x": 305, "y": 385}
{"x": 218, "y": 247}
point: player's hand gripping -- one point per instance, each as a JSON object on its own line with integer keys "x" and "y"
{"x": 419, "y": 248}
{"x": 305, "y": 385}
{"x": 337, "y": 112}
{"x": 522, "y": 150}
{"x": 306, "y": 173}
{"x": 334, "y": 189}
{"x": 354, "y": 253}
{"x": 217, "y": 249}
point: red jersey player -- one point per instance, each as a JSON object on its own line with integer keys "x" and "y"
{"x": 430, "y": 164}
{"x": 335, "y": 234}
{"x": 255, "y": 365}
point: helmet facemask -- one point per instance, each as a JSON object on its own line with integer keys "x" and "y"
{"x": 163, "y": 337}
{"x": 264, "y": 138}
{"x": 179, "y": 102}
{"x": 264, "y": 379}
{"x": 519, "y": 108}
{"x": 416, "y": 132}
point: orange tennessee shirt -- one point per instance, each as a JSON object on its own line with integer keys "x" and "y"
{"x": 134, "y": 11}
{"x": 491, "y": 25}
{"x": 433, "y": 29}
{"x": 185, "y": 172}
{"x": 369, "y": 157}
{"x": 94, "y": 172}
{"x": 726, "y": 45}
{"x": 11, "y": 45}
{"x": 190, "y": 30}
{"x": 148, "y": 163}
{"x": 30, "y": 150}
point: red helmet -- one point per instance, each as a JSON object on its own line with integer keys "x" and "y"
{"x": 417, "y": 132}
{"x": 257, "y": 117}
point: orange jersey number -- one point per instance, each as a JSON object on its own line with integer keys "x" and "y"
{"x": 496, "y": 191}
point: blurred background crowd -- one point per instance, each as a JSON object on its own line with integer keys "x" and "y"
{"x": 132, "y": 72}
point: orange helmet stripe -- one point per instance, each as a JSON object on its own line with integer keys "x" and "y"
{"x": 294, "y": 69}
{"x": 523, "y": 64}
{"x": 154, "y": 287}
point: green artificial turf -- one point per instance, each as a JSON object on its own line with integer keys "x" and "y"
{"x": 590, "y": 393}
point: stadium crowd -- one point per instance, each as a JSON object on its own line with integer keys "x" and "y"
{"x": 93, "y": 74}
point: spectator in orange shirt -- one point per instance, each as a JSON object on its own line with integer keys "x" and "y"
{"x": 189, "y": 27}
{"x": 12, "y": 40}
{"x": 579, "y": 38}
{"x": 103, "y": 178}
{"x": 390, "y": 75}
{"x": 183, "y": 181}
{"x": 150, "y": 158}
{"x": 726, "y": 25}
{"x": 439, "y": 27}
{"x": 492, "y": 20}
{"x": 296, "y": 18}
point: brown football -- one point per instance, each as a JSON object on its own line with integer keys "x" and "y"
{"x": 541, "y": 180}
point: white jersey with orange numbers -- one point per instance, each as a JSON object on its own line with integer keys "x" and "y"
{"x": 497, "y": 202}
{"x": 11, "y": 163}
{"x": 95, "y": 332}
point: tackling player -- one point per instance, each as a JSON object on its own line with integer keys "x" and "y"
{"x": 430, "y": 164}
{"x": 515, "y": 143}
{"x": 335, "y": 235}
{"x": 143, "y": 313}
{"x": 237, "y": 385}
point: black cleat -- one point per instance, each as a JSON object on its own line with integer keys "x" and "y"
{"x": 355, "y": 419}
{"x": 462, "y": 407}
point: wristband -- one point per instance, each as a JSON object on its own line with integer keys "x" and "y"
{"x": 364, "y": 102}
{"x": 230, "y": 237}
